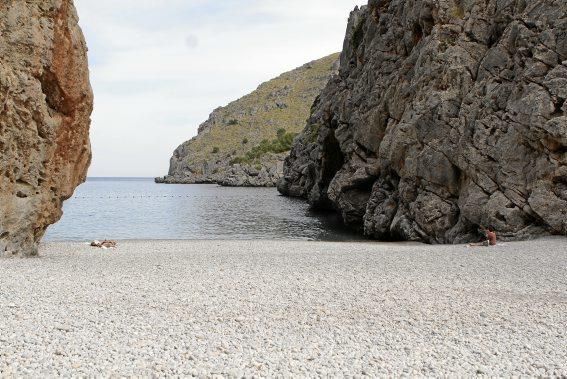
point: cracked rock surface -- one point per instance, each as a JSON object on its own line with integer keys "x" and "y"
{"x": 446, "y": 115}
{"x": 45, "y": 106}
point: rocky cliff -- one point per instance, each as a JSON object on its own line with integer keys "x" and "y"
{"x": 45, "y": 106}
{"x": 245, "y": 143}
{"x": 447, "y": 115}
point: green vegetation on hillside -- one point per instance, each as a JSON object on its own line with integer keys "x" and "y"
{"x": 248, "y": 128}
{"x": 280, "y": 144}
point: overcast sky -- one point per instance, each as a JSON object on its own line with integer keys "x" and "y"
{"x": 159, "y": 67}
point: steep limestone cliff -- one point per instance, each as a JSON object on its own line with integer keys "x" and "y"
{"x": 45, "y": 106}
{"x": 245, "y": 143}
{"x": 447, "y": 115}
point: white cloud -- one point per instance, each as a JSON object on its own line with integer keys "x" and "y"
{"x": 159, "y": 67}
{"x": 191, "y": 41}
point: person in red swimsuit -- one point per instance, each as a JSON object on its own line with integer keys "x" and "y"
{"x": 490, "y": 238}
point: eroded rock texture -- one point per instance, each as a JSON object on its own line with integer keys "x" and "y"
{"x": 45, "y": 106}
{"x": 446, "y": 115}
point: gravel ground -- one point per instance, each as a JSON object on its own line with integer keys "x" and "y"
{"x": 267, "y": 308}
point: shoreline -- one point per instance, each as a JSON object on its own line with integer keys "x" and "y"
{"x": 362, "y": 240}
{"x": 273, "y": 308}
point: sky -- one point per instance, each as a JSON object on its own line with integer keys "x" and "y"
{"x": 159, "y": 67}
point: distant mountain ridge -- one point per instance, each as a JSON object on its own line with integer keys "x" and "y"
{"x": 245, "y": 142}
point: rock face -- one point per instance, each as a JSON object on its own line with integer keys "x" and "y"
{"x": 447, "y": 115}
{"x": 241, "y": 144}
{"x": 45, "y": 106}
{"x": 265, "y": 175}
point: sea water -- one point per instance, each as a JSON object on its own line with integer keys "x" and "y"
{"x": 138, "y": 209}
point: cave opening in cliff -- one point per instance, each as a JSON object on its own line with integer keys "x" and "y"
{"x": 332, "y": 161}
{"x": 333, "y": 158}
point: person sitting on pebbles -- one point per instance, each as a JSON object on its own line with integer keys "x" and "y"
{"x": 490, "y": 238}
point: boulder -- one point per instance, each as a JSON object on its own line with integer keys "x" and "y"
{"x": 45, "y": 106}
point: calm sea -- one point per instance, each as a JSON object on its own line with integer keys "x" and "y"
{"x": 122, "y": 209}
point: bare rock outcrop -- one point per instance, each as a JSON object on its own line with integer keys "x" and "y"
{"x": 45, "y": 106}
{"x": 244, "y": 143}
{"x": 446, "y": 115}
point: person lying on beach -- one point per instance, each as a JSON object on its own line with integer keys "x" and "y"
{"x": 490, "y": 238}
{"x": 106, "y": 244}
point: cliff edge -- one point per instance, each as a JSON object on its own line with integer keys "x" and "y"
{"x": 446, "y": 115}
{"x": 45, "y": 106}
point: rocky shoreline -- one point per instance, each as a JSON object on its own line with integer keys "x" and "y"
{"x": 265, "y": 174}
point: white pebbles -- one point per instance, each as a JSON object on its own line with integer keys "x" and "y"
{"x": 272, "y": 308}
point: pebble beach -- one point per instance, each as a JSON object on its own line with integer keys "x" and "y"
{"x": 274, "y": 308}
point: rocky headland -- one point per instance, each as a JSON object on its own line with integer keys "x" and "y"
{"x": 446, "y": 116}
{"x": 245, "y": 143}
{"x": 45, "y": 106}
